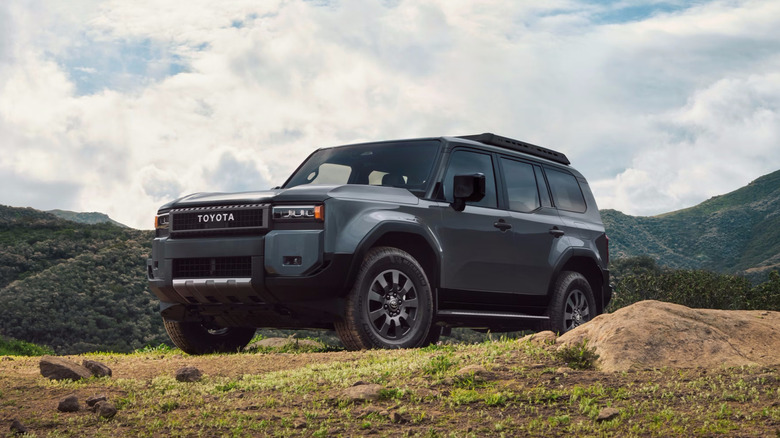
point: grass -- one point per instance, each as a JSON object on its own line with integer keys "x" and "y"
{"x": 13, "y": 347}
{"x": 301, "y": 394}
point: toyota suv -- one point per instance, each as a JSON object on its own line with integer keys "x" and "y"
{"x": 390, "y": 243}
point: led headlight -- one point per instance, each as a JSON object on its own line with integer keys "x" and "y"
{"x": 299, "y": 213}
{"x": 161, "y": 221}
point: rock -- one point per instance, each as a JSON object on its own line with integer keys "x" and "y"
{"x": 546, "y": 337}
{"x": 92, "y": 401}
{"x": 299, "y": 425}
{"x": 395, "y": 417}
{"x": 106, "y": 409}
{"x": 57, "y": 368}
{"x": 654, "y": 334}
{"x": 564, "y": 370}
{"x": 362, "y": 392}
{"x": 18, "y": 428}
{"x": 69, "y": 404}
{"x": 478, "y": 372}
{"x": 188, "y": 374}
{"x": 7, "y": 358}
{"x": 607, "y": 414}
{"x": 98, "y": 369}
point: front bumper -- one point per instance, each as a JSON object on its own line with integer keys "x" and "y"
{"x": 280, "y": 274}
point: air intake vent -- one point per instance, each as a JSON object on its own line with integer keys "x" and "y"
{"x": 215, "y": 267}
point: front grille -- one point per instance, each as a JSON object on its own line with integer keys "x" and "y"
{"x": 214, "y": 267}
{"x": 232, "y": 219}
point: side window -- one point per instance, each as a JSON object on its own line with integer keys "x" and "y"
{"x": 521, "y": 189}
{"x": 566, "y": 191}
{"x": 468, "y": 162}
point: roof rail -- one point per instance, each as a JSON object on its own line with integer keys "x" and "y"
{"x": 517, "y": 145}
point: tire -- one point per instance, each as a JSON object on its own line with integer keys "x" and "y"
{"x": 390, "y": 304}
{"x": 572, "y": 303}
{"x": 194, "y": 338}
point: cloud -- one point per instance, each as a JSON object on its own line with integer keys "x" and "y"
{"x": 134, "y": 103}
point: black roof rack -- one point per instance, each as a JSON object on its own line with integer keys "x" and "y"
{"x": 517, "y": 145}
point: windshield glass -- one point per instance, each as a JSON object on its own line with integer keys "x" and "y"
{"x": 403, "y": 164}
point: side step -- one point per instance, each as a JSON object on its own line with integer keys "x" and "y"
{"x": 489, "y": 315}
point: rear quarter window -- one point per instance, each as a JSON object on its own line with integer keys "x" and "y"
{"x": 566, "y": 191}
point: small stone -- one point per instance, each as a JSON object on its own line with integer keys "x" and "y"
{"x": 395, "y": 417}
{"x": 69, "y": 404}
{"x": 57, "y": 368}
{"x": 188, "y": 374}
{"x": 546, "y": 337}
{"x": 607, "y": 414}
{"x": 564, "y": 370}
{"x": 478, "y": 372}
{"x": 18, "y": 428}
{"x": 363, "y": 392}
{"x": 7, "y": 358}
{"x": 299, "y": 425}
{"x": 106, "y": 409}
{"x": 98, "y": 369}
{"x": 92, "y": 401}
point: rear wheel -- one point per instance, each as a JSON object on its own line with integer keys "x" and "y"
{"x": 572, "y": 303}
{"x": 390, "y": 304}
{"x": 195, "y": 338}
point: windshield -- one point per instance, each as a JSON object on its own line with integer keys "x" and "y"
{"x": 402, "y": 164}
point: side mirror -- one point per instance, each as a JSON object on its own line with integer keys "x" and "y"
{"x": 467, "y": 188}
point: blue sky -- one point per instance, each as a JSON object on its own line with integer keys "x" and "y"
{"x": 118, "y": 106}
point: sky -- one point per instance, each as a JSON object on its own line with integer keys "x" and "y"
{"x": 119, "y": 106}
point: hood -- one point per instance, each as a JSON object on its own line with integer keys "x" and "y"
{"x": 296, "y": 194}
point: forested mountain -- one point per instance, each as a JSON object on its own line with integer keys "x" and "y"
{"x": 75, "y": 287}
{"x": 734, "y": 233}
{"x": 85, "y": 218}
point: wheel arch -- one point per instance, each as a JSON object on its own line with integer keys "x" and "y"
{"x": 413, "y": 239}
{"x": 584, "y": 263}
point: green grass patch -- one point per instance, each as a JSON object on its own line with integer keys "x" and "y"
{"x": 14, "y": 347}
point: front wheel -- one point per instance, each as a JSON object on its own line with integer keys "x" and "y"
{"x": 572, "y": 303}
{"x": 195, "y": 338}
{"x": 390, "y": 304}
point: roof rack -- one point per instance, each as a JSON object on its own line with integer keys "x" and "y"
{"x": 517, "y": 145}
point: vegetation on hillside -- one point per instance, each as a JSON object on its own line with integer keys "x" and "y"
{"x": 75, "y": 287}
{"x": 735, "y": 233}
{"x": 640, "y": 278}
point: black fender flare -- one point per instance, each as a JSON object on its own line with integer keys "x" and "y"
{"x": 383, "y": 229}
{"x": 603, "y": 294}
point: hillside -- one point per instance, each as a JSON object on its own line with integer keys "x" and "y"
{"x": 75, "y": 287}
{"x": 736, "y": 232}
{"x": 85, "y": 218}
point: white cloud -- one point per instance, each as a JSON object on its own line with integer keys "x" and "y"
{"x": 124, "y": 105}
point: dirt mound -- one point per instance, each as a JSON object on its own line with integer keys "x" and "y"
{"x": 653, "y": 334}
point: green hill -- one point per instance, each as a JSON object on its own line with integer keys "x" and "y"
{"x": 75, "y": 287}
{"x": 734, "y": 233}
{"x": 85, "y": 218}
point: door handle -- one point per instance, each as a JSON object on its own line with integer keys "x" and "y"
{"x": 502, "y": 225}
{"x": 556, "y": 232}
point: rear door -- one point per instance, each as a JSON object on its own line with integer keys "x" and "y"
{"x": 536, "y": 226}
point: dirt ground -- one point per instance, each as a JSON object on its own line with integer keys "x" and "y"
{"x": 525, "y": 391}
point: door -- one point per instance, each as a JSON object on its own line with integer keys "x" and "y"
{"x": 476, "y": 242}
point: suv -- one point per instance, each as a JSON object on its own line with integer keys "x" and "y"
{"x": 389, "y": 243}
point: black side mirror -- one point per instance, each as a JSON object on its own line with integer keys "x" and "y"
{"x": 467, "y": 188}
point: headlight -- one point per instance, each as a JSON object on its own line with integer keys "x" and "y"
{"x": 161, "y": 222}
{"x": 295, "y": 213}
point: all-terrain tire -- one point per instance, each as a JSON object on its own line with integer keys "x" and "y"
{"x": 572, "y": 303}
{"x": 194, "y": 338}
{"x": 390, "y": 304}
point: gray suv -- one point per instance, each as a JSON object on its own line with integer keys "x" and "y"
{"x": 390, "y": 243}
